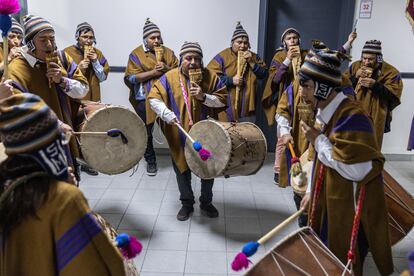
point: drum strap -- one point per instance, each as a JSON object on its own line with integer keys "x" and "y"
{"x": 186, "y": 101}
{"x": 316, "y": 193}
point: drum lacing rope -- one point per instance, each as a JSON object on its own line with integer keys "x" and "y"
{"x": 355, "y": 230}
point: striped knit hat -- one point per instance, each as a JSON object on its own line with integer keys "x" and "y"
{"x": 150, "y": 28}
{"x": 26, "y": 123}
{"x": 372, "y": 47}
{"x": 322, "y": 66}
{"x": 288, "y": 31}
{"x": 33, "y": 25}
{"x": 190, "y": 47}
{"x": 16, "y": 27}
{"x": 318, "y": 45}
{"x": 29, "y": 127}
{"x": 82, "y": 27}
{"x": 239, "y": 32}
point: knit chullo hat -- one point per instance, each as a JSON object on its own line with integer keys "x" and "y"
{"x": 373, "y": 47}
{"x": 83, "y": 27}
{"x": 16, "y": 27}
{"x": 190, "y": 47}
{"x": 33, "y": 25}
{"x": 288, "y": 31}
{"x": 149, "y": 28}
{"x": 29, "y": 127}
{"x": 322, "y": 66}
{"x": 239, "y": 32}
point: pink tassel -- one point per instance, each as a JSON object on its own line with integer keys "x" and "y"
{"x": 240, "y": 261}
{"x": 9, "y": 6}
{"x": 204, "y": 154}
{"x": 133, "y": 248}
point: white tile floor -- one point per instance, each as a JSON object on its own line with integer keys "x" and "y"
{"x": 249, "y": 207}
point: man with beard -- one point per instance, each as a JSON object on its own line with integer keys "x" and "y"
{"x": 347, "y": 174}
{"x": 175, "y": 100}
{"x": 225, "y": 63}
{"x": 142, "y": 70}
{"x": 57, "y": 83}
{"x": 378, "y": 87}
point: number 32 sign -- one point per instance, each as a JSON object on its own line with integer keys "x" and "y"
{"x": 365, "y": 9}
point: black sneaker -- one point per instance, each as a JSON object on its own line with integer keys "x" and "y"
{"x": 88, "y": 170}
{"x": 185, "y": 213}
{"x": 276, "y": 179}
{"x": 152, "y": 169}
{"x": 209, "y": 211}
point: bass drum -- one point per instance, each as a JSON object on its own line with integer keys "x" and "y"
{"x": 400, "y": 206}
{"x": 111, "y": 155}
{"x": 301, "y": 253}
{"x": 237, "y": 149}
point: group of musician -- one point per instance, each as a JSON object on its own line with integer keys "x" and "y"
{"x": 347, "y": 114}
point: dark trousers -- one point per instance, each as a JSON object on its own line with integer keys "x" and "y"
{"x": 149, "y": 154}
{"x": 303, "y": 219}
{"x": 186, "y": 192}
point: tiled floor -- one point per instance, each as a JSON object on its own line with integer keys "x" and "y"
{"x": 249, "y": 207}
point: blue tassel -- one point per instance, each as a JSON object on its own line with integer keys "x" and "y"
{"x": 122, "y": 240}
{"x": 197, "y": 146}
{"x": 250, "y": 248}
{"x": 5, "y": 24}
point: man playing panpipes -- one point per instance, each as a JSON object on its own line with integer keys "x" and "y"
{"x": 15, "y": 39}
{"x": 57, "y": 82}
{"x": 146, "y": 64}
{"x": 347, "y": 180}
{"x": 93, "y": 65}
{"x": 177, "y": 100}
{"x": 378, "y": 87}
{"x": 241, "y": 87}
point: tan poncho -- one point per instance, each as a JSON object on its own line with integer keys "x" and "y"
{"x": 94, "y": 93}
{"x": 353, "y": 138}
{"x": 168, "y": 89}
{"x": 225, "y": 63}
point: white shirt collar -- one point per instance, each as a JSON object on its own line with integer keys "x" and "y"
{"x": 30, "y": 59}
{"x": 145, "y": 48}
{"x": 324, "y": 115}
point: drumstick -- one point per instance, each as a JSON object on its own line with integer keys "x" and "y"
{"x": 114, "y": 132}
{"x": 250, "y": 248}
{"x": 295, "y": 168}
{"x": 204, "y": 154}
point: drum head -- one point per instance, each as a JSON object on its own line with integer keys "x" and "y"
{"x": 3, "y": 155}
{"x": 110, "y": 155}
{"x": 214, "y": 138}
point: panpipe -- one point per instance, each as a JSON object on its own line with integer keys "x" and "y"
{"x": 296, "y": 62}
{"x": 306, "y": 113}
{"x": 366, "y": 73}
{"x": 86, "y": 50}
{"x": 52, "y": 57}
{"x": 196, "y": 76}
{"x": 159, "y": 53}
{"x": 241, "y": 69}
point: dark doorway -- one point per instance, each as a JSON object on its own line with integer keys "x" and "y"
{"x": 326, "y": 20}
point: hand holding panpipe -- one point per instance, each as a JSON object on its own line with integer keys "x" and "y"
{"x": 366, "y": 73}
{"x": 86, "y": 50}
{"x": 52, "y": 57}
{"x": 296, "y": 62}
{"x": 159, "y": 53}
{"x": 196, "y": 76}
{"x": 241, "y": 68}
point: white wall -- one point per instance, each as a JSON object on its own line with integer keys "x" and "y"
{"x": 118, "y": 28}
{"x": 389, "y": 24}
